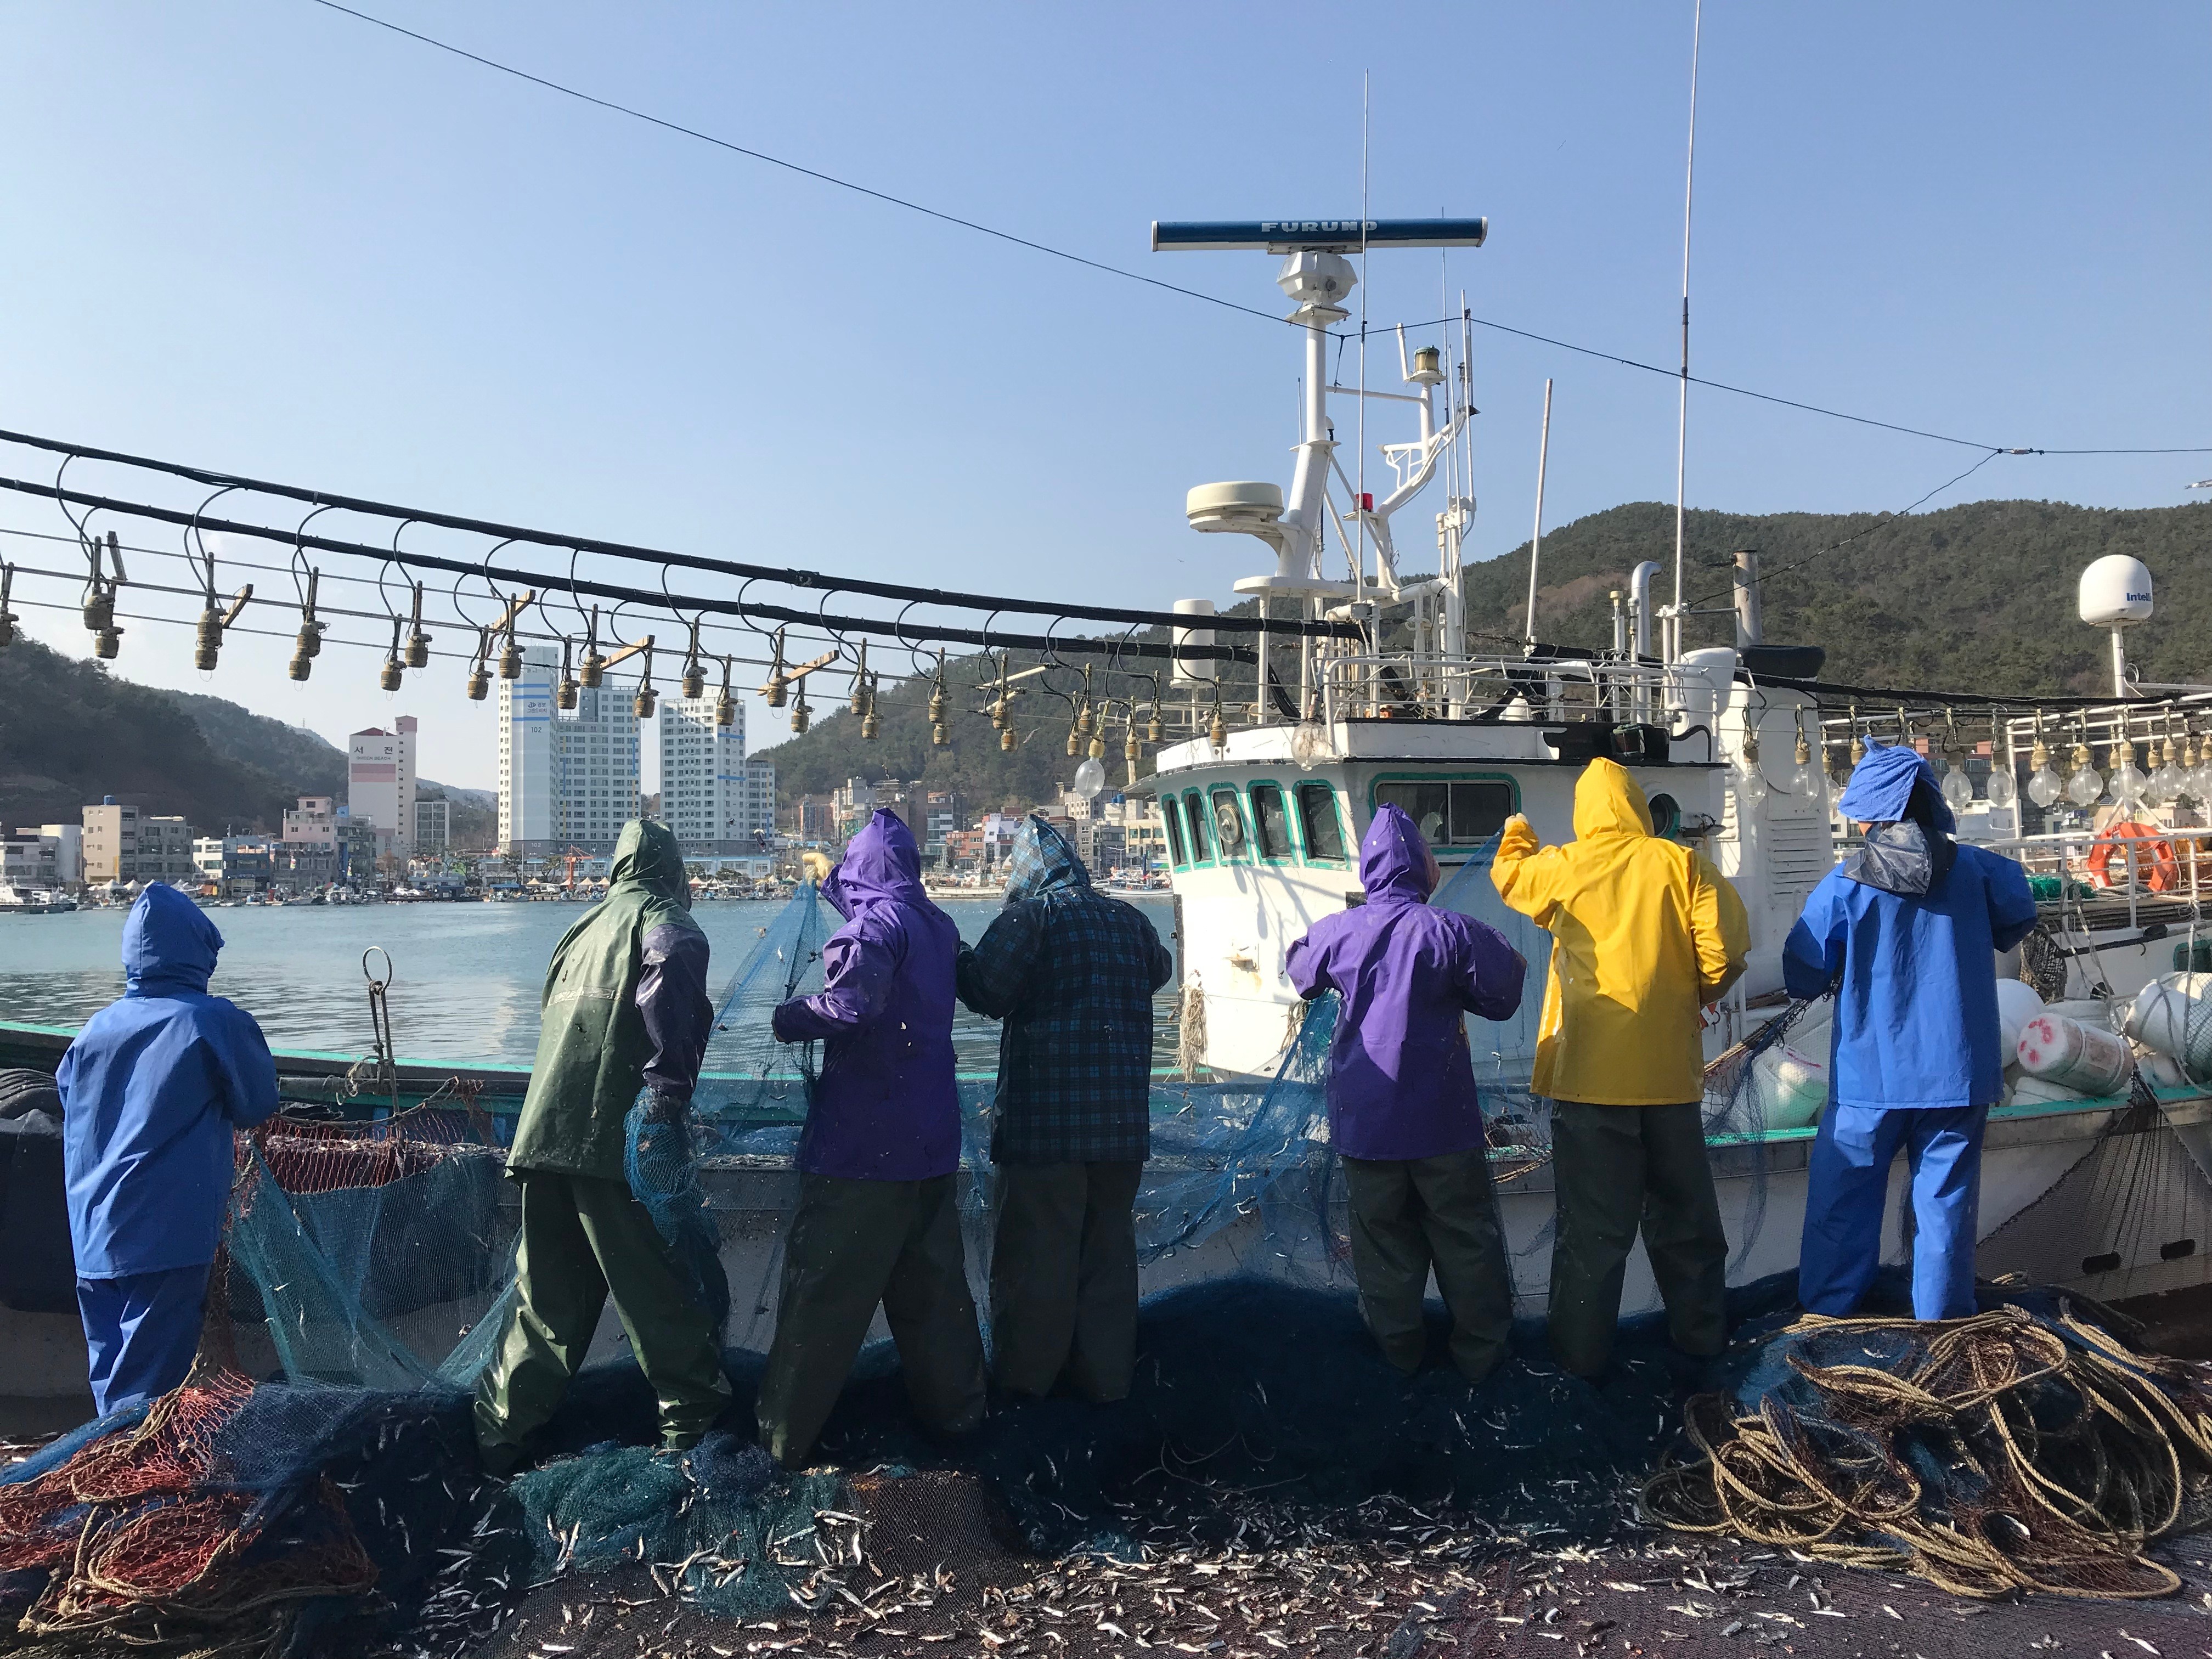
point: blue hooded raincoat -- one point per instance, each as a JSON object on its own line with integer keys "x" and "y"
{"x": 1400, "y": 1080}
{"x": 1915, "y": 1022}
{"x": 1907, "y": 931}
{"x": 151, "y": 1091}
{"x": 885, "y": 1106}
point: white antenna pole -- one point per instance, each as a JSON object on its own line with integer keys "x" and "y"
{"x": 1682, "y": 425}
{"x": 1536, "y": 538}
{"x": 1359, "y": 467}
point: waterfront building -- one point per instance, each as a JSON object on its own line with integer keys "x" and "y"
{"x": 434, "y": 826}
{"x": 942, "y": 816}
{"x": 811, "y": 819}
{"x": 44, "y": 855}
{"x": 165, "y": 851}
{"x": 756, "y": 815}
{"x": 381, "y": 782}
{"x": 111, "y": 842}
{"x": 313, "y": 822}
{"x": 568, "y": 779}
{"x": 239, "y": 867}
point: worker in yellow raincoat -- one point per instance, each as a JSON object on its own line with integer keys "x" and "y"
{"x": 1644, "y": 932}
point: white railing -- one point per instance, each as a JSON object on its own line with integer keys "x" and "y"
{"x": 1453, "y": 687}
{"x": 2171, "y": 866}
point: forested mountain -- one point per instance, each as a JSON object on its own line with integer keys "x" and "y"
{"x": 70, "y": 732}
{"x": 1979, "y": 597}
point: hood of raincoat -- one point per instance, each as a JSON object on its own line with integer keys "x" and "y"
{"x": 1883, "y": 784}
{"x": 169, "y": 944}
{"x": 1395, "y": 862}
{"x": 647, "y": 859}
{"x": 881, "y": 865}
{"x": 1608, "y": 802}
{"x": 1043, "y": 863}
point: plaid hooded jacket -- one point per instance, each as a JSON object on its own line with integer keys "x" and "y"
{"x": 1071, "y": 973}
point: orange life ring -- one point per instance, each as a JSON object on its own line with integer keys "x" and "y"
{"x": 2154, "y": 859}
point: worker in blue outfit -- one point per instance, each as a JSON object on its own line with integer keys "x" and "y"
{"x": 151, "y": 1091}
{"x": 1905, "y": 930}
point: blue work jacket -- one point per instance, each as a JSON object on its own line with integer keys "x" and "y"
{"x": 151, "y": 1091}
{"x": 1915, "y": 1022}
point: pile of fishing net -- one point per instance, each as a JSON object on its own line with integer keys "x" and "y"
{"x": 233, "y": 1519}
{"x": 2025, "y": 1448}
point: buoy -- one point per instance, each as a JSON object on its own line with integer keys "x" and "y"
{"x": 2017, "y": 1003}
{"x": 2066, "y": 1052}
{"x": 2173, "y": 1015}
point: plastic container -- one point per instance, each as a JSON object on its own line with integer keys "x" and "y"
{"x": 2081, "y": 1059}
{"x": 2173, "y": 1015}
{"x": 2017, "y": 1003}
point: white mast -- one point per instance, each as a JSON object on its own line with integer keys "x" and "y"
{"x": 1536, "y": 536}
{"x": 1673, "y": 636}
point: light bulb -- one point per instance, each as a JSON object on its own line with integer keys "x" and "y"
{"x": 2085, "y": 786}
{"x": 1958, "y": 789}
{"x": 1090, "y": 778}
{"x": 1310, "y": 743}
{"x": 2127, "y": 785}
{"x": 1750, "y": 782}
{"x": 2001, "y": 790}
{"x": 2045, "y": 786}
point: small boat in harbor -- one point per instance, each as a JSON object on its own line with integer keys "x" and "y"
{"x": 18, "y": 901}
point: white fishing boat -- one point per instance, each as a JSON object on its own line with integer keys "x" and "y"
{"x": 21, "y": 901}
{"x": 1264, "y": 806}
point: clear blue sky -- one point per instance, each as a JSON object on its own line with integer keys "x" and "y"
{"x": 267, "y": 237}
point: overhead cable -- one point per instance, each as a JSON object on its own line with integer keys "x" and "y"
{"x": 659, "y": 599}
{"x": 885, "y": 196}
{"x": 789, "y": 576}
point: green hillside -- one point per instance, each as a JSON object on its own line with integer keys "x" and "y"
{"x": 1974, "y": 597}
{"x": 71, "y": 732}
{"x": 1978, "y": 597}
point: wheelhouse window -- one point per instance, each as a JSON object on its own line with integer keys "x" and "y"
{"x": 1450, "y": 813}
{"x": 1201, "y": 844}
{"x": 1318, "y": 820}
{"x": 1271, "y": 821}
{"x": 1171, "y": 815}
{"x": 1230, "y": 834}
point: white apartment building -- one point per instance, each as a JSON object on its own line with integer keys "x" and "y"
{"x": 702, "y": 773}
{"x": 381, "y": 783}
{"x": 567, "y": 779}
{"x": 525, "y": 754}
{"x": 715, "y": 800}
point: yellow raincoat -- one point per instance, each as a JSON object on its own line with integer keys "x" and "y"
{"x": 1643, "y": 933}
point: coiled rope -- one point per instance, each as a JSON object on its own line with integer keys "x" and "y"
{"x": 1987, "y": 1455}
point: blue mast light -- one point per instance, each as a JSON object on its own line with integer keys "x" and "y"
{"x": 1315, "y": 235}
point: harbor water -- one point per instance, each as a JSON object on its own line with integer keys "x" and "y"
{"x": 467, "y": 978}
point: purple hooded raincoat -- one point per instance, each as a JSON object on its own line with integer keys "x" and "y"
{"x": 886, "y": 1107}
{"x": 1400, "y": 1082}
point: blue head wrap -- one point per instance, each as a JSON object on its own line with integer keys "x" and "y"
{"x": 1882, "y": 786}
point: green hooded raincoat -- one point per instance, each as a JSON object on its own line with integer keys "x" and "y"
{"x": 592, "y": 1046}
